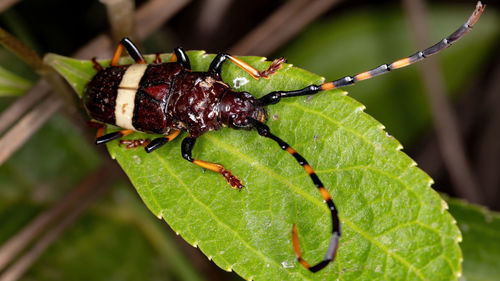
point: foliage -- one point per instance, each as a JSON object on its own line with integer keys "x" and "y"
{"x": 480, "y": 228}
{"x": 395, "y": 226}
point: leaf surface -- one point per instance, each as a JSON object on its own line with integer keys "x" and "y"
{"x": 481, "y": 244}
{"x": 12, "y": 84}
{"x": 395, "y": 226}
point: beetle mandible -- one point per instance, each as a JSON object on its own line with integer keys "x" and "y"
{"x": 167, "y": 98}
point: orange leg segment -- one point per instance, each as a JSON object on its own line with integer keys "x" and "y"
{"x": 117, "y": 55}
{"x": 173, "y": 58}
{"x": 187, "y": 147}
{"x": 99, "y": 126}
{"x": 276, "y": 65}
{"x": 230, "y": 178}
{"x": 216, "y": 66}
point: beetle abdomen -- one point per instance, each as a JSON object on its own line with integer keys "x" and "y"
{"x": 133, "y": 97}
{"x": 100, "y": 94}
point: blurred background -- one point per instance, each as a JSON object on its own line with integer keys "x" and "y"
{"x": 60, "y": 191}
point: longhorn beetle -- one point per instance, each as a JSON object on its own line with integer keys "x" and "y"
{"x": 167, "y": 98}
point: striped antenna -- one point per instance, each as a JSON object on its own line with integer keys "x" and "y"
{"x": 275, "y": 97}
{"x": 331, "y": 252}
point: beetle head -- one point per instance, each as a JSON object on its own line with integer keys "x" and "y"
{"x": 237, "y": 107}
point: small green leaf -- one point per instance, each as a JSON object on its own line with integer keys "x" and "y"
{"x": 12, "y": 84}
{"x": 481, "y": 244}
{"x": 76, "y": 72}
{"x": 394, "y": 225}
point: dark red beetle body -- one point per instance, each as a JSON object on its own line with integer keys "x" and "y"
{"x": 167, "y": 98}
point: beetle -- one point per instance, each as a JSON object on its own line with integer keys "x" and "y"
{"x": 167, "y": 98}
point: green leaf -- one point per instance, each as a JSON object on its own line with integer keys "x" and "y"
{"x": 481, "y": 244}
{"x": 12, "y": 84}
{"x": 394, "y": 225}
{"x": 76, "y": 72}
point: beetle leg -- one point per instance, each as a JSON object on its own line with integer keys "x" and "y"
{"x": 158, "y": 142}
{"x": 112, "y": 136}
{"x": 180, "y": 56}
{"x": 99, "y": 126}
{"x": 96, "y": 64}
{"x": 158, "y": 59}
{"x": 131, "y": 49}
{"x": 331, "y": 252}
{"x": 135, "y": 143}
{"x": 117, "y": 55}
{"x": 148, "y": 144}
{"x": 187, "y": 148}
{"x": 216, "y": 66}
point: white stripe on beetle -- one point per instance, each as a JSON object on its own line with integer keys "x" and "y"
{"x": 125, "y": 99}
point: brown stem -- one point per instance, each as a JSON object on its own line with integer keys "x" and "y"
{"x": 27, "y": 126}
{"x": 211, "y": 15}
{"x": 153, "y": 14}
{"x": 281, "y": 26}
{"x": 58, "y": 218}
{"x": 22, "y": 105}
{"x": 120, "y": 17}
{"x": 5, "y": 4}
{"x": 20, "y": 50}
